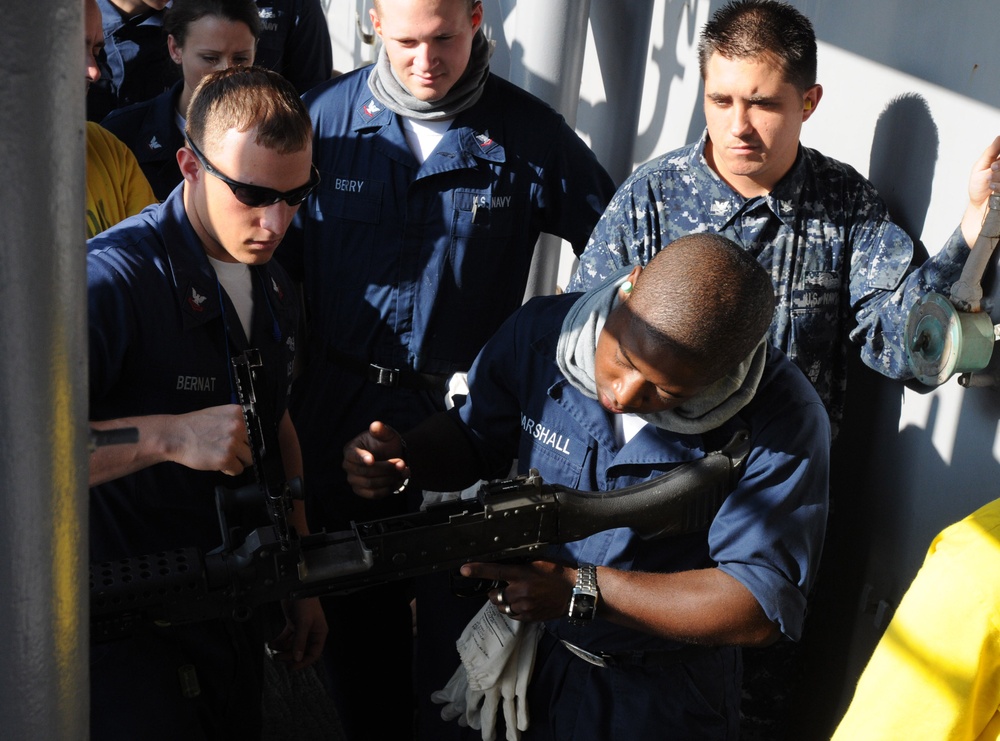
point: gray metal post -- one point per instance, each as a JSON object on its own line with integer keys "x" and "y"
{"x": 547, "y": 50}
{"x": 621, "y": 38}
{"x": 547, "y": 53}
{"x": 43, "y": 374}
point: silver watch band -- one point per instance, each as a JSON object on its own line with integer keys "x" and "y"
{"x": 586, "y": 577}
{"x": 585, "y": 595}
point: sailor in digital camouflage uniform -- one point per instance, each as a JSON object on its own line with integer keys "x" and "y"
{"x": 840, "y": 266}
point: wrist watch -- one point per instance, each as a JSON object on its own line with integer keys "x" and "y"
{"x": 583, "y": 601}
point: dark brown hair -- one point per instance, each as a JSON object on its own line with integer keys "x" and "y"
{"x": 751, "y": 29}
{"x": 182, "y": 13}
{"x": 245, "y": 98}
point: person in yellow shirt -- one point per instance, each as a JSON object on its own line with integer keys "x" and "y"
{"x": 116, "y": 187}
{"x": 935, "y": 674}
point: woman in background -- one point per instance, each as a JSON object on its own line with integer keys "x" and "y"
{"x": 202, "y": 36}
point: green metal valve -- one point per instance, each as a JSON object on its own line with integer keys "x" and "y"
{"x": 942, "y": 341}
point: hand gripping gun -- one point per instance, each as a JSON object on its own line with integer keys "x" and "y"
{"x": 271, "y": 486}
{"x": 508, "y": 518}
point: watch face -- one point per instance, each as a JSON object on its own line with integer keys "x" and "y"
{"x": 582, "y": 606}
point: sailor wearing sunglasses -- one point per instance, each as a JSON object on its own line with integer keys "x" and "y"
{"x": 173, "y": 294}
{"x": 246, "y": 225}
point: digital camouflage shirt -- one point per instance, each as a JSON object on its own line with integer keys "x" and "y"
{"x": 841, "y": 268}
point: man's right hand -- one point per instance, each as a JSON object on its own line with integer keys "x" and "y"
{"x": 984, "y": 180}
{"x": 212, "y": 439}
{"x": 374, "y": 462}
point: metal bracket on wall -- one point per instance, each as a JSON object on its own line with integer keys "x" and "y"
{"x": 881, "y": 610}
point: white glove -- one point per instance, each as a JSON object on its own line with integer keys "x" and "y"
{"x": 453, "y": 697}
{"x": 517, "y": 715}
{"x": 484, "y": 647}
{"x": 512, "y": 689}
{"x": 498, "y": 655}
{"x": 486, "y": 644}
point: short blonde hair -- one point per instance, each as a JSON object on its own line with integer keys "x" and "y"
{"x": 470, "y": 3}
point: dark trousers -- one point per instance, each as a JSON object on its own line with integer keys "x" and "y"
{"x": 192, "y": 682}
{"x": 369, "y": 660}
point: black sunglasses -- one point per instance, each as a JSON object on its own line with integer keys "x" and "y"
{"x": 256, "y": 196}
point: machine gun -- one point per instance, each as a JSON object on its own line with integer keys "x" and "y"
{"x": 509, "y": 518}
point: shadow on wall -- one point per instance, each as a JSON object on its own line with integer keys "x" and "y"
{"x": 861, "y": 512}
{"x": 682, "y": 22}
{"x": 621, "y": 34}
{"x": 903, "y": 157}
{"x": 495, "y": 14}
{"x": 892, "y": 489}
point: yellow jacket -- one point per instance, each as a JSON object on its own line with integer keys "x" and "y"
{"x": 116, "y": 187}
{"x": 935, "y": 674}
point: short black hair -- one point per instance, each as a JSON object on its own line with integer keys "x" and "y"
{"x": 706, "y": 299}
